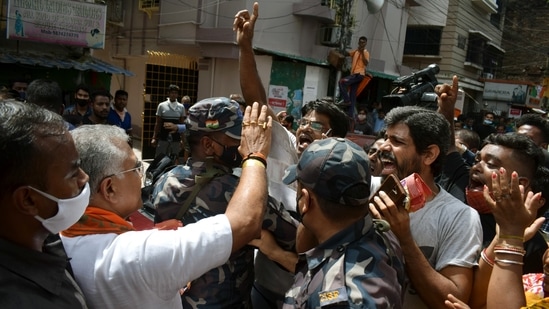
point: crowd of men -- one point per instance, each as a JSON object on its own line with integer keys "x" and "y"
{"x": 258, "y": 219}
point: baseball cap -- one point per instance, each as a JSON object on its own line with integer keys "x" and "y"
{"x": 330, "y": 167}
{"x": 216, "y": 114}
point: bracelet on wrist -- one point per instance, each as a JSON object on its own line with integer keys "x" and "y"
{"x": 252, "y": 156}
{"x": 507, "y": 247}
{"x": 508, "y": 262}
{"x": 521, "y": 238}
{"x": 486, "y": 258}
{"x": 257, "y": 154}
{"x": 253, "y": 162}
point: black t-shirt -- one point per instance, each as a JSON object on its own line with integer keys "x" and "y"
{"x": 535, "y": 247}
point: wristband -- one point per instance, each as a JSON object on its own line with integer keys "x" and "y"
{"x": 257, "y": 154}
{"x": 252, "y": 162}
{"x": 521, "y": 238}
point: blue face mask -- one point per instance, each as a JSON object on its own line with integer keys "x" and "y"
{"x": 487, "y": 122}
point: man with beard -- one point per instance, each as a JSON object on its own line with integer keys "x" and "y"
{"x": 101, "y": 104}
{"x": 203, "y": 188}
{"x": 118, "y": 114}
{"x": 81, "y": 107}
{"x": 441, "y": 241}
{"x": 320, "y": 119}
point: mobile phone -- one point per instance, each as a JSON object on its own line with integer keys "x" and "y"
{"x": 394, "y": 189}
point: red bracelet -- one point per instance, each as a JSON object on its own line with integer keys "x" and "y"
{"x": 486, "y": 258}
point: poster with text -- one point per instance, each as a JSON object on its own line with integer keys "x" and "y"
{"x": 278, "y": 95}
{"x": 61, "y": 22}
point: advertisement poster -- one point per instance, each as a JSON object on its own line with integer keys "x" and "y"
{"x": 61, "y": 22}
{"x": 278, "y": 95}
{"x": 535, "y": 94}
{"x": 505, "y": 92}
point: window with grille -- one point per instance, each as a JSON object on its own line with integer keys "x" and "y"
{"x": 423, "y": 41}
{"x": 158, "y": 79}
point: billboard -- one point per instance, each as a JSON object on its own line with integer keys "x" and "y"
{"x": 62, "y": 22}
{"x": 513, "y": 93}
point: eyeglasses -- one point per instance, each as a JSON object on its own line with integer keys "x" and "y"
{"x": 138, "y": 168}
{"x": 315, "y": 125}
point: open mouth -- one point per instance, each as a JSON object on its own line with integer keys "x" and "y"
{"x": 475, "y": 184}
{"x": 389, "y": 167}
{"x": 303, "y": 142}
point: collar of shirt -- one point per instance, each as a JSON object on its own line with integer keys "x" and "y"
{"x": 338, "y": 242}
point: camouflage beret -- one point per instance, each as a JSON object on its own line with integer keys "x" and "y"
{"x": 216, "y": 114}
{"x": 330, "y": 167}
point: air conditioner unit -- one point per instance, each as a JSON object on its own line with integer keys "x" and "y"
{"x": 329, "y": 36}
{"x": 487, "y": 75}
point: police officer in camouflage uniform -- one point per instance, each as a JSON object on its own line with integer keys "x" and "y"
{"x": 355, "y": 264}
{"x": 213, "y": 133}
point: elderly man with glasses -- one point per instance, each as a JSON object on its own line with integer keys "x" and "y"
{"x": 117, "y": 267}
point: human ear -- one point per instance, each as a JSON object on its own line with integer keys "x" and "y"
{"x": 430, "y": 154}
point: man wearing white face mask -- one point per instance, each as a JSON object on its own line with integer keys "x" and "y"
{"x": 361, "y": 124}
{"x": 41, "y": 193}
{"x": 118, "y": 267}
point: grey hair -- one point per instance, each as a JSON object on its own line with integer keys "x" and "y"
{"x": 23, "y": 157}
{"x": 99, "y": 149}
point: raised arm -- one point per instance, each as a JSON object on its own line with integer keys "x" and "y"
{"x": 447, "y": 96}
{"x": 250, "y": 82}
{"x": 247, "y": 206}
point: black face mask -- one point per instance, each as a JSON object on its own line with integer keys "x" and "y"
{"x": 230, "y": 156}
{"x": 81, "y": 102}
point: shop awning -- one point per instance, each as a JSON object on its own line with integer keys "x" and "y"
{"x": 382, "y": 75}
{"x": 319, "y": 62}
{"x": 52, "y": 61}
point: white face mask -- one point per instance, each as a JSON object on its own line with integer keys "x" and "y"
{"x": 69, "y": 210}
{"x": 361, "y": 117}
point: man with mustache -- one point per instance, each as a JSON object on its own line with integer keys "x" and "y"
{"x": 320, "y": 119}
{"x": 441, "y": 241}
{"x": 101, "y": 104}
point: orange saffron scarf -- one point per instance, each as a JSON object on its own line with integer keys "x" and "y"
{"x": 98, "y": 221}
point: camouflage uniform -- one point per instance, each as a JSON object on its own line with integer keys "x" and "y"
{"x": 357, "y": 267}
{"x": 350, "y": 270}
{"x": 229, "y": 285}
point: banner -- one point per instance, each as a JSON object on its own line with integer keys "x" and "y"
{"x": 60, "y": 22}
{"x": 514, "y": 93}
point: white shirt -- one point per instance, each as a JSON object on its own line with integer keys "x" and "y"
{"x": 146, "y": 269}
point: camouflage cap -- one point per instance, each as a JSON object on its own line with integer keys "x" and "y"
{"x": 330, "y": 167}
{"x": 216, "y": 114}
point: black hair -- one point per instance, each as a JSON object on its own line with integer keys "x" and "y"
{"x": 338, "y": 119}
{"x": 100, "y": 93}
{"x": 470, "y": 137}
{"x": 173, "y": 87}
{"x": 426, "y": 127}
{"x": 524, "y": 149}
{"x": 535, "y": 121}
{"x": 82, "y": 87}
{"x": 121, "y": 93}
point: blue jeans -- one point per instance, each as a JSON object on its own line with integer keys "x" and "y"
{"x": 351, "y": 82}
